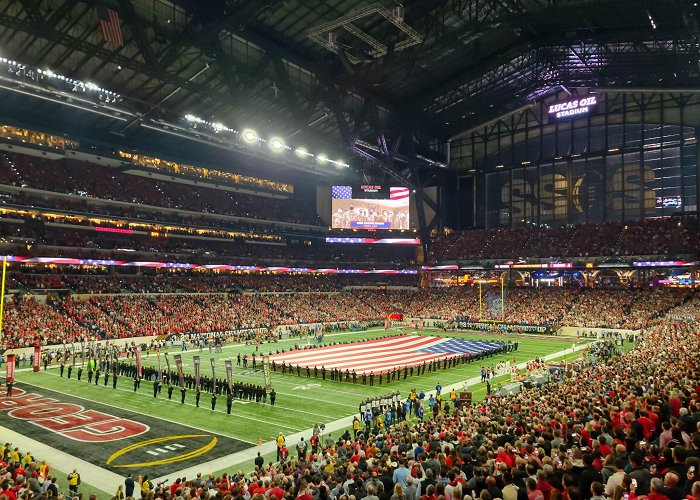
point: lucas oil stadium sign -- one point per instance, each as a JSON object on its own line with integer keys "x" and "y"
{"x": 573, "y": 107}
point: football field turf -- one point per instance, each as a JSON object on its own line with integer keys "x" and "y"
{"x": 182, "y": 435}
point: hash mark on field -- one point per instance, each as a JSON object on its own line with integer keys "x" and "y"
{"x": 151, "y": 452}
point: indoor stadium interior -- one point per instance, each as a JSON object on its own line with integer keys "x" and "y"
{"x": 349, "y": 250}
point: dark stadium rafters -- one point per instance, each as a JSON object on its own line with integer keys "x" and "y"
{"x": 476, "y": 59}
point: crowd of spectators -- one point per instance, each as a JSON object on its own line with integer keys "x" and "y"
{"x": 661, "y": 236}
{"x": 131, "y": 306}
{"x": 85, "y": 179}
{"x": 201, "y": 282}
{"x": 71, "y": 243}
{"x": 625, "y": 427}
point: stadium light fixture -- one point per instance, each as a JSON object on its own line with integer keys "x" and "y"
{"x": 250, "y": 136}
{"x": 322, "y": 158}
{"x": 277, "y": 144}
{"x": 302, "y": 152}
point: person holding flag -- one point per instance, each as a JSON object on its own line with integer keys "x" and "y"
{"x": 229, "y": 402}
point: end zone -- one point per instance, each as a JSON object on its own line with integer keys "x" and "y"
{"x": 111, "y": 438}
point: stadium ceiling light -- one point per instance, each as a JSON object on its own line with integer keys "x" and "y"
{"x": 322, "y": 158}
{"x": 250, "y": 136}
{"x": 277, "y": 144}
{"x": 302, "y": 152}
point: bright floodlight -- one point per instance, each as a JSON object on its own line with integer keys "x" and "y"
{"x": 277, "y": 144}
{"x": 322, "y": 158}
{"x": 250, "y": 136}
{"x": 301, "y": 152}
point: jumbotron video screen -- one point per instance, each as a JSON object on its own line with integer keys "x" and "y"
{"x": 370, "y": 207}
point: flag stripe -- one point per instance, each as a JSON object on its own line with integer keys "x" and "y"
{"x": 398, "y": 193}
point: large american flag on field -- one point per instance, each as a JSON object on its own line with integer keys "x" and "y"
{"x": 341, "y": 192}
{"x": 398, "y": 193}
{"x": 110, "y": 26}
{"x": 382, "y": 355}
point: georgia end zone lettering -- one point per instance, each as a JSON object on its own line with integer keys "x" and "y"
{"x": 110, "y": 437}
{"x": 69, "y": 420}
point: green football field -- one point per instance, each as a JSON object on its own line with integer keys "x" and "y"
{"x": 301, "y": 402}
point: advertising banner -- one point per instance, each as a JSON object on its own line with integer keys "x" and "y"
{"x": 139, "y": 365}
{"x": 266, "y": 372}
{"x": 197, "y": 372}
{"x": 37, "y": 358}
{"x": 178, "y": 367}
{"x": 10, "y": 369}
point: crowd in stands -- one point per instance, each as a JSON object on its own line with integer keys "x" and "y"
{"x": 96, "y": 282}
{"x": 130, "y": 306}
{"x": 661, "y": 236}
{"x": 85, "y": 179}
{"x": 627, "y": 427}
{"x": 54, "y": 242}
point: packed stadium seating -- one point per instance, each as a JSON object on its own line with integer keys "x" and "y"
{"x": 664, "y": 236}
{"x": 616, "y": 427}
{"x": 84, "y": 179}
{"x": 53, "y": 242}
{"x": 134, "y": 311}
{"x": 77, "y": 280}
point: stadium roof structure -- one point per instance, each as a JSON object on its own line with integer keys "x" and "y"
{"x": 391, "y": 81}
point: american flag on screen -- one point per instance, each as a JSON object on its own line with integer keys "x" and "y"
{"x": 341, "y": 192}
{"x": 398, "y": 193}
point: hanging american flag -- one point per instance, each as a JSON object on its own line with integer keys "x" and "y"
{"x": 398, "y": 193}
{"x": 341, "y": 192}
{"x": 110, "y": 26}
